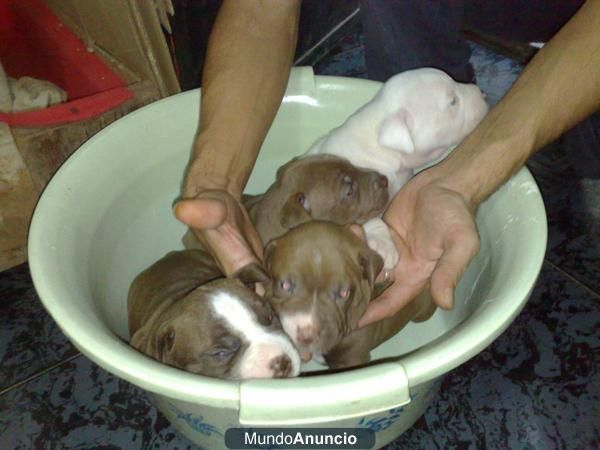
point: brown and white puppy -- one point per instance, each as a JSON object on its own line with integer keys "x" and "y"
{"x": 322, "y": 279}
{"x": 182, "y": 312}
{"x": 319, "y": 187}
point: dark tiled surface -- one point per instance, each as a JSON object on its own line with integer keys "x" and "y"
{"x": 29, "y": 340}
{"x": 80, "y": 406}
{"x": 347, "y": 57}
{"x": 573, "y": 209}
{"x": 537, "y": 386}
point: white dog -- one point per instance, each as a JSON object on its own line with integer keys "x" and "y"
{"x": 414, "y": 119}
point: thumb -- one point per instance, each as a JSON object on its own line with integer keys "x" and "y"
{"x": 450, "y": 268}
{"x": 201, "y": 214}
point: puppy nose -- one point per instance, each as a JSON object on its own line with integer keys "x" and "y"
{"x": 306, "y": 336}
{"x": 381, "y": 182}
{"x": 281, "y": 366}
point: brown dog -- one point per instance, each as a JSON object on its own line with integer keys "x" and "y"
{"x": 319, "y": 187}
{"x": 322, "y": 279}
{"x": 183, "y": 313}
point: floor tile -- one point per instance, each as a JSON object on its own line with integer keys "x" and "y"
{"x": 346, "y": 58}
{"x": 30, "y": 340}
{"x": 537, "y": 386}
{"x": 494, "y": 73}
{"x": 81, "y": 406}
{"x": 14, "y": 283}
{"x": 573, "y": 210}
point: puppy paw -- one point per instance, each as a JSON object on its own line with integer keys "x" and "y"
{"x": 380, "y": 240}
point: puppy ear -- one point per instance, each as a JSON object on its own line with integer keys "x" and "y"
{"x": 371, "y": 263}
{"x": 394, "y": 132}
{"x": 252, "y": 273}
{"x": 139, "y": 340}
{"x": 282, "y": 169}
{"x": 163, "y": 343}
{"x": 294, "y": 211}
{"x": 155, "y": 344}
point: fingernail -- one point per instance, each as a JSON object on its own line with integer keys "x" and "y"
{"x": 174, "y": 210}
{"x": 448, "y": 293}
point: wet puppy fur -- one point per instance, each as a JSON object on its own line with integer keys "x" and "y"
{"x": 183, "y": 313}
{"x": 319, "y": 187}
{"x": 322, "y": 279}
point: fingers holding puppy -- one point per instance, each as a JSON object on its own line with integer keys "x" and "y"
{"x": 222, "y": 226}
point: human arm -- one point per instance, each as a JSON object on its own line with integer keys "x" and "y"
{"x": 432, "y": 217}
{"x": 247, "y": 66}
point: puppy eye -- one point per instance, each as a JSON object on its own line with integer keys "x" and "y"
{"x": 348, "y": 187}
{"x": 454, "y": 100}
{"x": 300, "y": 198}
{"x": 221, "y": 354}
{"x": 227, "y": 346}
{"x": 342, "y": 294}
{"x": 286, "y": 286}
{"x": 267, "y": 319}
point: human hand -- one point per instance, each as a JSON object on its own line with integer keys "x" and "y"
{"x": 223, "y": 227}
{"x": 435, "y": 233}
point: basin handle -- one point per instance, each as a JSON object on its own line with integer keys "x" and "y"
{"x": 301, "y": 81}
{"x": 319, "y": 399}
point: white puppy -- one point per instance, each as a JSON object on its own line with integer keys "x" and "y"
{"x": 414, "y": 118}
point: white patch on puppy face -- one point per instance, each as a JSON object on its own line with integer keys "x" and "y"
{"x": 303, "y": 327}
{"x": 298, "y": 322}
{"x": 264, "y": 345}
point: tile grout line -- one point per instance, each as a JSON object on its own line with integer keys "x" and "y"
{"x": 572, "y": 278}
{"x": 38, "y": 374}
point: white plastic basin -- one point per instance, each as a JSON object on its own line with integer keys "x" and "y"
{"x": 106, "y": 215}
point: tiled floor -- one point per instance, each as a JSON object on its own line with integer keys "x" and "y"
{"x": 537, "y": 386}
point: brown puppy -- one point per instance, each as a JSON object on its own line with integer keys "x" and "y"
{"x": 323, "y": 277}
{"x": 183, "y": 313}
{"x": 354, "y": 350}
{"x": 318, "y": 187}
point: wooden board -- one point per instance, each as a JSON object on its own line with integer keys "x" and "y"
{"x": 30, "y": 156}
{"x": 17, "y": 199}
